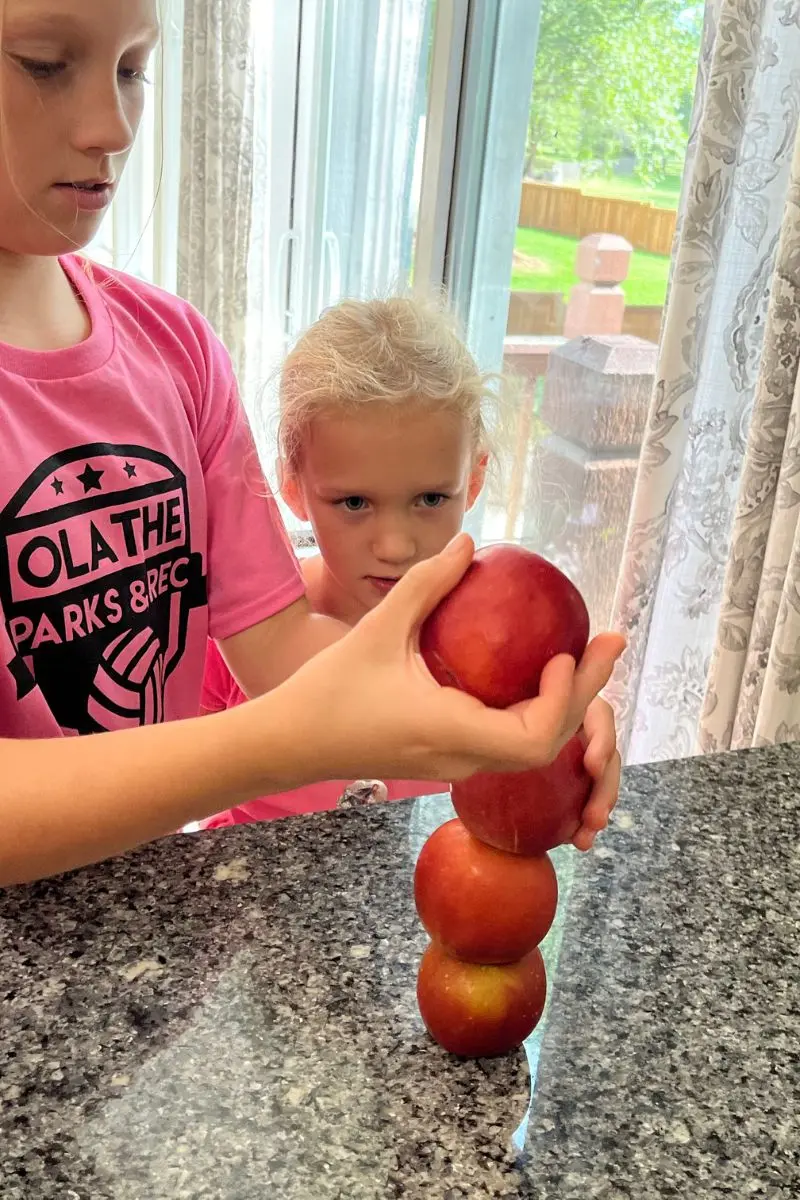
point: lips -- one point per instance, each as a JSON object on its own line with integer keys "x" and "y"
{"x": 89, "y": 195}
{"x": 382, "y": 583}
{"x": 87, "y": 185}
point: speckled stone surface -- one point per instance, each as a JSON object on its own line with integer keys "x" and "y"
{"x": 233, "y": 1015}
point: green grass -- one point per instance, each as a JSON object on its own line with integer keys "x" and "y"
{"x": 664, "y": 194}
{"x": 553, "y": 268}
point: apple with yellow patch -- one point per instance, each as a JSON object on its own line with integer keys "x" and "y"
{"x": 477, "y": 1011}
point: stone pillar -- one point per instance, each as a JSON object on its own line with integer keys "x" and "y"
{"x": 597, "y": 303}
{"x": 596, "y": 399}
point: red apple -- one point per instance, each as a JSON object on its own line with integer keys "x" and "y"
{"x": 493, "y": 635}
{"x": 531, "y": 812}
{"x": 481, "y": 904}
{"x": 478, "y": 1011}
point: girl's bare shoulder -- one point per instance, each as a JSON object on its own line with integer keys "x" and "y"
{"x": 323, "y": 595}
{"x": 312, "y": 574}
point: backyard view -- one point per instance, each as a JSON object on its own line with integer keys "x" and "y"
{"x": 610, "y": 112}
{"x": 545, "y": 262}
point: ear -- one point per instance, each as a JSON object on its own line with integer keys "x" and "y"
{"x": 476, "y": 480}
{"x": 291, "y": 491}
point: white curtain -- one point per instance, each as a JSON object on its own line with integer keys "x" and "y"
{"x": 753, "y": 692}
{"x": 334, "y": 182}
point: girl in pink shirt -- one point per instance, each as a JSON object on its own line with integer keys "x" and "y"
{"x": 383, "y": 447}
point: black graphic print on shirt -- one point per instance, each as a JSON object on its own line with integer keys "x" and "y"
{"x": 97, "y": 579}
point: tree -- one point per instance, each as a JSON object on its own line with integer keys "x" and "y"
{"x": 614, "y": 76}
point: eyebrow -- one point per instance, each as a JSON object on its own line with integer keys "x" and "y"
{"x": 332, "y": 490}
{"x": 43, "y": 25}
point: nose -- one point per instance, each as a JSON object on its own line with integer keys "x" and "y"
{"x": 105, "y": 120}
{"x": 394, "y": 543}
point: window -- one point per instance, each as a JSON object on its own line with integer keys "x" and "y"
{"x": 563, "y": 279}
{"x": 340, "y": 197}
{"x": 479, "y": 145}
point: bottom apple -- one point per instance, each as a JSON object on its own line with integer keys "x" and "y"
{"x": 480, "y": 1011}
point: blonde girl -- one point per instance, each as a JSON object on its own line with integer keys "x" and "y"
{"x": 383, "y": 449}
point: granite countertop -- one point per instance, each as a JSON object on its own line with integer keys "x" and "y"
{"x": 233, "y": 1014}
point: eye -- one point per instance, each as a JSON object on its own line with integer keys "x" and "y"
{"x": 133, "y": 75}
{"x": 433, "y": 499}
{"x": 41, "y": 70}
{"x": 352, "y": 504}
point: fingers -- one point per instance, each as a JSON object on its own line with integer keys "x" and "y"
{"x": 529, "y": 734}
{"x": 566, "y": 695}
{"x": 420, "y": 590}
{"x": 593, "y": 673}
{"x": 604, "y": 796}
{"x": 584, "y": 839}
{"x": 603, "y": 763}
{"x": 546, "y": 718}
{"x": 601, "y": 736}
{"x": 543, "y": 725}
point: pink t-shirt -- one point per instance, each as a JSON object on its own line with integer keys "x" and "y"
{"x": 220, "y": 691}
{"x": 133, "y": 519}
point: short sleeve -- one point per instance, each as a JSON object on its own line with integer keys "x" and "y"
{"x": 252, "y": 570}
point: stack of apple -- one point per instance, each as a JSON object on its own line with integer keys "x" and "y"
{"x": 484, "y": 887}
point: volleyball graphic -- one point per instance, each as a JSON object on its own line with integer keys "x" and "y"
{"x": 97, "y": 580}
{"x": 128, "y": 685}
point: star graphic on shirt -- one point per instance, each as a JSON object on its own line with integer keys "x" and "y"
{"x": 90, "y": 478}
{"x": 57, "y": 486}
{"x": 129, "y": 470}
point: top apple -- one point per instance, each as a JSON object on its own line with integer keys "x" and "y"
{"x": 493, "y": 635}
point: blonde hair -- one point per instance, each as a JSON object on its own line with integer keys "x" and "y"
{"x": 398, "y": 350}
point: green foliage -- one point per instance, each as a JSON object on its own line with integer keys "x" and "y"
{"x": 614, "y": 77}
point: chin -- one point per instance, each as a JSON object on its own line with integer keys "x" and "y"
{"x": 367, "y": 597}
{"x": 45, "y": 240}
{"x": 72, "y": 244}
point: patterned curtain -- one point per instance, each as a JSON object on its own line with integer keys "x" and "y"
{"x": 753, "y": 695}
{"x": 692, "y": 578}
{"x": 216, "y": 190}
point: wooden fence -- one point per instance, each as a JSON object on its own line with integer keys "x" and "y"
{"x": 567, "y": 210}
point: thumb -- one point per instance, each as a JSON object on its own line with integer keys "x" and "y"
{"x": 415, "y": 597}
